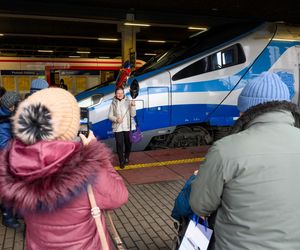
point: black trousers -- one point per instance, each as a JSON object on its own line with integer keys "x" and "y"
{"x": 121, "y": 139}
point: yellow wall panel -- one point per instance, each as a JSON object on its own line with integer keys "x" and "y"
{"x": 24, "y": 83}
{"x": 9, "y": 83}
{"x": 81, "y": 84}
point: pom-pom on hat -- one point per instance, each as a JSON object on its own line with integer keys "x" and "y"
{"x": 10, "y": 99}
{"x": 266, "y": 87}
{"x": 49, "y": 114}
{"x": 37, "y": 85}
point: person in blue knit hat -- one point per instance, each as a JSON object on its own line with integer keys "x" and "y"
{"x": 8, "y": 103}
{"x": 265, "y": 88}
{"x": 36, "y": 85}
{"x": 251, "y": 177}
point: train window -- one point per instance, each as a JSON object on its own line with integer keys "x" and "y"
{"x": 90, "y": 101}
{"x": 225, "y": 58}
{"x": 195, "y": 45}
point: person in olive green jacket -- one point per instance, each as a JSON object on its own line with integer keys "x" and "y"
{"x": 252, "y": 177}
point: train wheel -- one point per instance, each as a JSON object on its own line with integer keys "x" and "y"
{"x": 186, "y": 136}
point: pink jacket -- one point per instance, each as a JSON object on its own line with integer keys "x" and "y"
{"x": 47, "y": 183}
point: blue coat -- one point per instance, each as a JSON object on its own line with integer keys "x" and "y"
{"x": 5, "y": 128}
{"x": 182, "y": 206}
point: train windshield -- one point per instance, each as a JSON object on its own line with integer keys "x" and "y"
{"x": 197, "y": 44}
{"x": 91, "y": 101}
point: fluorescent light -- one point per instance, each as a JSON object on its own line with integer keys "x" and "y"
{"x": 137, "y": 24}
{"x": 83, "y": 52}
{"x": 107, "y": 39}
{"x": 74, "y": 56}
{"x": 104, "y": 57}
{"x": 1, "y": 34}
{"x": 45, "y": 51}
{"x": 286, "y": 40}
{"x": 156, "y": 41}
{"x": 196, "y": 28}
{"x": 150, "y": 54}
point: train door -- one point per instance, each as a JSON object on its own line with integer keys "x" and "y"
{"x": 157, "y": 114}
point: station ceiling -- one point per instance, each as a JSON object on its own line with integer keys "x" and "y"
{"x": 68, "y": 26}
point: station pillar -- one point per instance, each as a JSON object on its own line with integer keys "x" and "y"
{"x": 128, "y": 39}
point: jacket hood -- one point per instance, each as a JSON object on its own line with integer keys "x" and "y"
{"x": 255, "y": 112}
{"x": 46, "y": 175}
{"x": 40, "y": 159}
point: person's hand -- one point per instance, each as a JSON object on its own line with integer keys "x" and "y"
{"x": 119, "y": 120}
{"x": 86, "y": 141}
{"x": 196, "y": 172}
{"x": 132, "y": 102}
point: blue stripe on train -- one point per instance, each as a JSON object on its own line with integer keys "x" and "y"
{"x": 150, "y": 119}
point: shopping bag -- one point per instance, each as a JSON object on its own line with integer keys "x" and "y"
{"x": 196, "y": 237}
{"x": 136, "y": 135}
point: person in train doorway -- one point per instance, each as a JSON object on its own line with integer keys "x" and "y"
{"x": 251, "y": 177}
{"x": 36, "y": 85}
{"x": 62, "y": 84}
{"x": 8, "y": 103}
{"x": 2, "y": 91}
{"x": 121, "y": 113}
{"x": 48, "y": 169}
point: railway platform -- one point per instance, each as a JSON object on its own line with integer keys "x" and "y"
{"x": 154, "y": 179}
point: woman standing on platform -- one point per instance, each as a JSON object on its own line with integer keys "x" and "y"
{"x": 121, "y": 112}
{"x": 46, "y": 170}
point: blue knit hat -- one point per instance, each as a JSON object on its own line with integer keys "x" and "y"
{"x": 10, "y": 99}
{"x": 37, "y": 85}
{"x": 266, "y": 87}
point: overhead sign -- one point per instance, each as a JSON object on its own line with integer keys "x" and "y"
{"x": 80, "y": 72}
{"x": 22, "y": 72}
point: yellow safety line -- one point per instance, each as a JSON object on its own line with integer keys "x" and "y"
{"x": 161, "y": 163}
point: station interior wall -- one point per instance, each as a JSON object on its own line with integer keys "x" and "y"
{"x": 75, "y": 83}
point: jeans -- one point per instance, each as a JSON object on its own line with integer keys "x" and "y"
{"x": 121, "y": 139}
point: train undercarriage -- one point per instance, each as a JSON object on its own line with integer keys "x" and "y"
{"x": 189, "y": 136}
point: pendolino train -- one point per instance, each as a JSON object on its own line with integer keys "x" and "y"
{"x": 188, "y": 95}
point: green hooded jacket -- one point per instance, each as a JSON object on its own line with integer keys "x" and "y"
{"x": 252, "y": 179}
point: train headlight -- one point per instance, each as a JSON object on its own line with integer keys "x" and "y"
{"x": 91, "y": 101}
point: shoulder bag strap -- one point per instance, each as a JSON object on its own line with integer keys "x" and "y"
{"x": 136, "y": 120}
{"x": 96, "y": 213}
{"x": 114, "y": 232}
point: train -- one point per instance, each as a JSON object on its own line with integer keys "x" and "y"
{"x": 188, "y": 95}
{"x": 79, "y": 74}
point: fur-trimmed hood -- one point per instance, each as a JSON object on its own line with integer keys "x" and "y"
{"x": 243, "y": 122}
{"x": 46, "y": 175}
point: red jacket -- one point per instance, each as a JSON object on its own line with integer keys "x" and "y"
{"x": 47, "y": 183}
